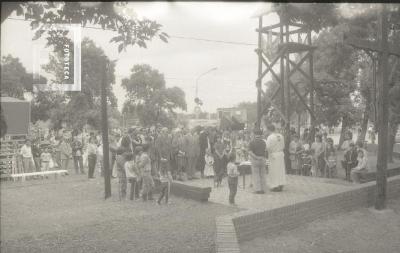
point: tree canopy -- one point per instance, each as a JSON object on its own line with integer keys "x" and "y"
{"x": 108, "y": 15}
{"x": 149, "y": 97}
{"x": 80, "y": 108}
{"x": 14, "y": 78}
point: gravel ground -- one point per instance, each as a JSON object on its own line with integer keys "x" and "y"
{"x": 69, "y": 215}
{"x": 361, "y": 231}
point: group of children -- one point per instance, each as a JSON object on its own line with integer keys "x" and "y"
{"x": 35, "y": 158}
{"x": 137, "y": 171}
{"x": 320, "y": 159}
{"x": 212, "y": 170}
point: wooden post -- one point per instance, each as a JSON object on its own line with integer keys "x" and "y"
{"x": 287, "y": 105}
{"x": 259, "y": 83}
{"x": 383, "y": 106}
{"x": 104, "y": 128}
{"x": 282, "y": 71}
{"x": 374, "y": 91}
{"x": 311, "y": 69}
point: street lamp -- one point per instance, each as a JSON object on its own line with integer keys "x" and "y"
{"x": 197, "y": 100}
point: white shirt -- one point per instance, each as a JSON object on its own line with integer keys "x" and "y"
{"x": 275, "y": 143}
{"x": 130, "y": 169}
{"x": 26, "y": 151}
{"x": 91, "y": 149}
{"x": 100, "y": 150}
{"x": 232, "y": 170}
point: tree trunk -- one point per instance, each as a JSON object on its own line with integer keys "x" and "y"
{"x": 343, "y": 131}
{"x": 364, "y": 125}
{"x": 104, "y": 130}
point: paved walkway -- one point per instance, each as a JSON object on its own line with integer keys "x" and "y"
{"x": 298, "y": 189}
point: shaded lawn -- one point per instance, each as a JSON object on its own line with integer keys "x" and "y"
{"x": 69, "y": 215}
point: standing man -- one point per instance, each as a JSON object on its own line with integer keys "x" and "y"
{"x": 36, "y": 152}
{"x": 113, "y": 149}
{"x": 128, "y": 144}
{"x": 275, "y": 145}
{"x": 257, "y": 155}
{"x": 190, "y": 155}
{"x": 163, "y": 147}
{"x": 27, "y": 157}
{"x": 203, "y": 142}
{"x": 77, "y": 154}
{"x": 65, "y": 153}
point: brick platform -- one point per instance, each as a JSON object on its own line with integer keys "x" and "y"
{"x": 304, "y": 199}
{"x": 250, "y": 224}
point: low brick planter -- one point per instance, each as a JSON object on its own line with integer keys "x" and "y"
{"x": 371, "y": 176}
{"x": 250, "y": 224}
{"x": 189, "y": 191}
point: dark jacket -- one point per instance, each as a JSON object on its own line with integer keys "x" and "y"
{"x": 203, "y": 140}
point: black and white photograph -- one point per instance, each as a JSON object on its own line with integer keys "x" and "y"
{"x": 200, "y": 127}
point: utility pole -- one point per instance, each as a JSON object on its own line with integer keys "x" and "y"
{"x": 259, "y": 80}
{"x": 286, "y": 102}
{"x": 104, "y": 129}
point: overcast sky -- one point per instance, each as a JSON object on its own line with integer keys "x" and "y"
{"x": 180, "y": 60}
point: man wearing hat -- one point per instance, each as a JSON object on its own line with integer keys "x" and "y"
{"x": 257, "y": 155}
{"x": 163, "y": 149}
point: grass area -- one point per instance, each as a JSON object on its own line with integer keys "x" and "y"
{"x": 364, "y": 230}
{"x": 70, "y": 215}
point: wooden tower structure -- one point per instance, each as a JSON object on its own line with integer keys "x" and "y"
{"x": 287, "y": 45}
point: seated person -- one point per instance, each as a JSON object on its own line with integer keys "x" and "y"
{"x": 361, "y": 169}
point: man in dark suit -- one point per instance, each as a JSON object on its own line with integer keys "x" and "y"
{"x": 350, "y": 160}
{"x": 203, "y": 142}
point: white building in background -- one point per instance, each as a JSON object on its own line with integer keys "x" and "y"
{"x": 239, "y": 113}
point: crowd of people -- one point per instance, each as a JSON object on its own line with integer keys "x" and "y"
{"x": 147, "y": 157}
{"x": 140, "y": 156}
{"x": 320, "y": 158}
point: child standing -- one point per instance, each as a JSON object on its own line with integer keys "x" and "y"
{"x": 45, "y": 157}
{"x": 361, "y": 169}
{"x": 233, "y": 175}
{"x": 144, "y": 164}
{"x": 132, "y": 175}
{"x": 165, "y": 179}
{"x": 330, "y": 156}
